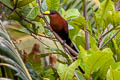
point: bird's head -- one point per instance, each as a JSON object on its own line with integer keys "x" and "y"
{"x": 51, "y": 12}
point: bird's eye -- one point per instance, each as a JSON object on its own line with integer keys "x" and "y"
{"x": 53, "y": 12}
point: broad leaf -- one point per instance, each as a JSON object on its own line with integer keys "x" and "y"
{"x": 7, "y": 2}
{"x": 96, "y": 60}
{"x": 7, "y": 49}
{"x": 80, "y": 22}
{"x": 61, "y": 69}
{"x": 68, "y": 75}
{"x": 53, "y": 4}
{"x": 30, "y": 11}
{"x": 113, "y": 74}
{"x": 104, "y": 13}
{"x": 72, "y": 13}
{"x": 22, "y": 3}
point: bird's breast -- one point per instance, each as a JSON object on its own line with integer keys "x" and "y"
{"x": 57, "y": 26}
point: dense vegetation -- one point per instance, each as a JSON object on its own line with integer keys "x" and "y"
{"x": 45, "y": 58}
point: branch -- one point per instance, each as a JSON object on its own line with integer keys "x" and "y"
{"x": 86, "y": 32}
{"x": 110, "y": 39}
{"x": 15, "y": 5}
{"x": 106, "y": 33}
{"x": 39, "y": 40}
{"x": 55, "y": 34}
{"x": 102, "y": 37}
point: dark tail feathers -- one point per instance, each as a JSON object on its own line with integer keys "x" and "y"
{"x": 72, "y": 45}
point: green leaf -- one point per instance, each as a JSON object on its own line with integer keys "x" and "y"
{"x": 61, "y": 69}
{"x": 7, "y": 48}
{"x": 30, "y": 11}
{"x": 115, "y": 1}
{"x": 20, "y": 30}
{"x": 116, "y": 18}
{"x": 83, "y": 53}
{"x": 72, "y": 13}
{"x": 39, "y": 27}
{"x": 116, "y": 66}
{"x": 96, "y": 60}
{"x": 80, "y": 22}
{"x": 81, "y": 42}
{"x": 68, "y": 75}
{"x": 53, "y": 4}
{"x": 113, "y": 74}
{"x": 14, "y": 16}
{"x": 80, "y": 75}
{"x": 104, "y": 68}
{"x": 7, "y": 2}
{"x": 104, "y": 13}
{"x": 22, "y": 3}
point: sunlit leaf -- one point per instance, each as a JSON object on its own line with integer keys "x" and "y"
{"x": 53, "y": 4}
{"x": 70, "y": 71}
{"x": 80, "y": 22}
{"x": 61, "y": 69}
{"x": 30, "y": 11}
{"x": 104, "y": 13}
{"x": 72, "y": 13}
{"x": 96, "y": 60}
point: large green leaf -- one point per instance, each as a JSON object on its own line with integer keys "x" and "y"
{"x": 14, "y": 16}
{"x": 114, "y": 73}
{"x": 30, "y": 11}
{"x": 97, "y": 59}
{"x": 53, "y": 4}
{"x": 104, "y": 13}
{"x": 116, "y": 17}
{"x": 7, "y": 49}
{"x": 72, "y": 13}
{"x": 68, "y": 75}
{"x": 22, "y": 3}
{"x": 80, "y": 22}
{"x": 61, "y": 69}
{"x": 7, "y": 2}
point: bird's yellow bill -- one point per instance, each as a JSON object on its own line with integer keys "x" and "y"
{"x": 46, "y": 12}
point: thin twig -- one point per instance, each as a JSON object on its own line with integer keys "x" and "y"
{"x": 107, "y": 33}
{"x": 15, "y": 5}
{"x": 39, "y": 40}
{"x": 109, "y": 40}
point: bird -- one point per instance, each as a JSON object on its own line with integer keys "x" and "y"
{"x": 60, "y": 26}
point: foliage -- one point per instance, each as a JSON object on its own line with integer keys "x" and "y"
{"x": 12, "y": 57}
{"x": 100, "y": 62}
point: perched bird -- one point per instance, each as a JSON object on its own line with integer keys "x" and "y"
{"x": 60, "y": 26}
